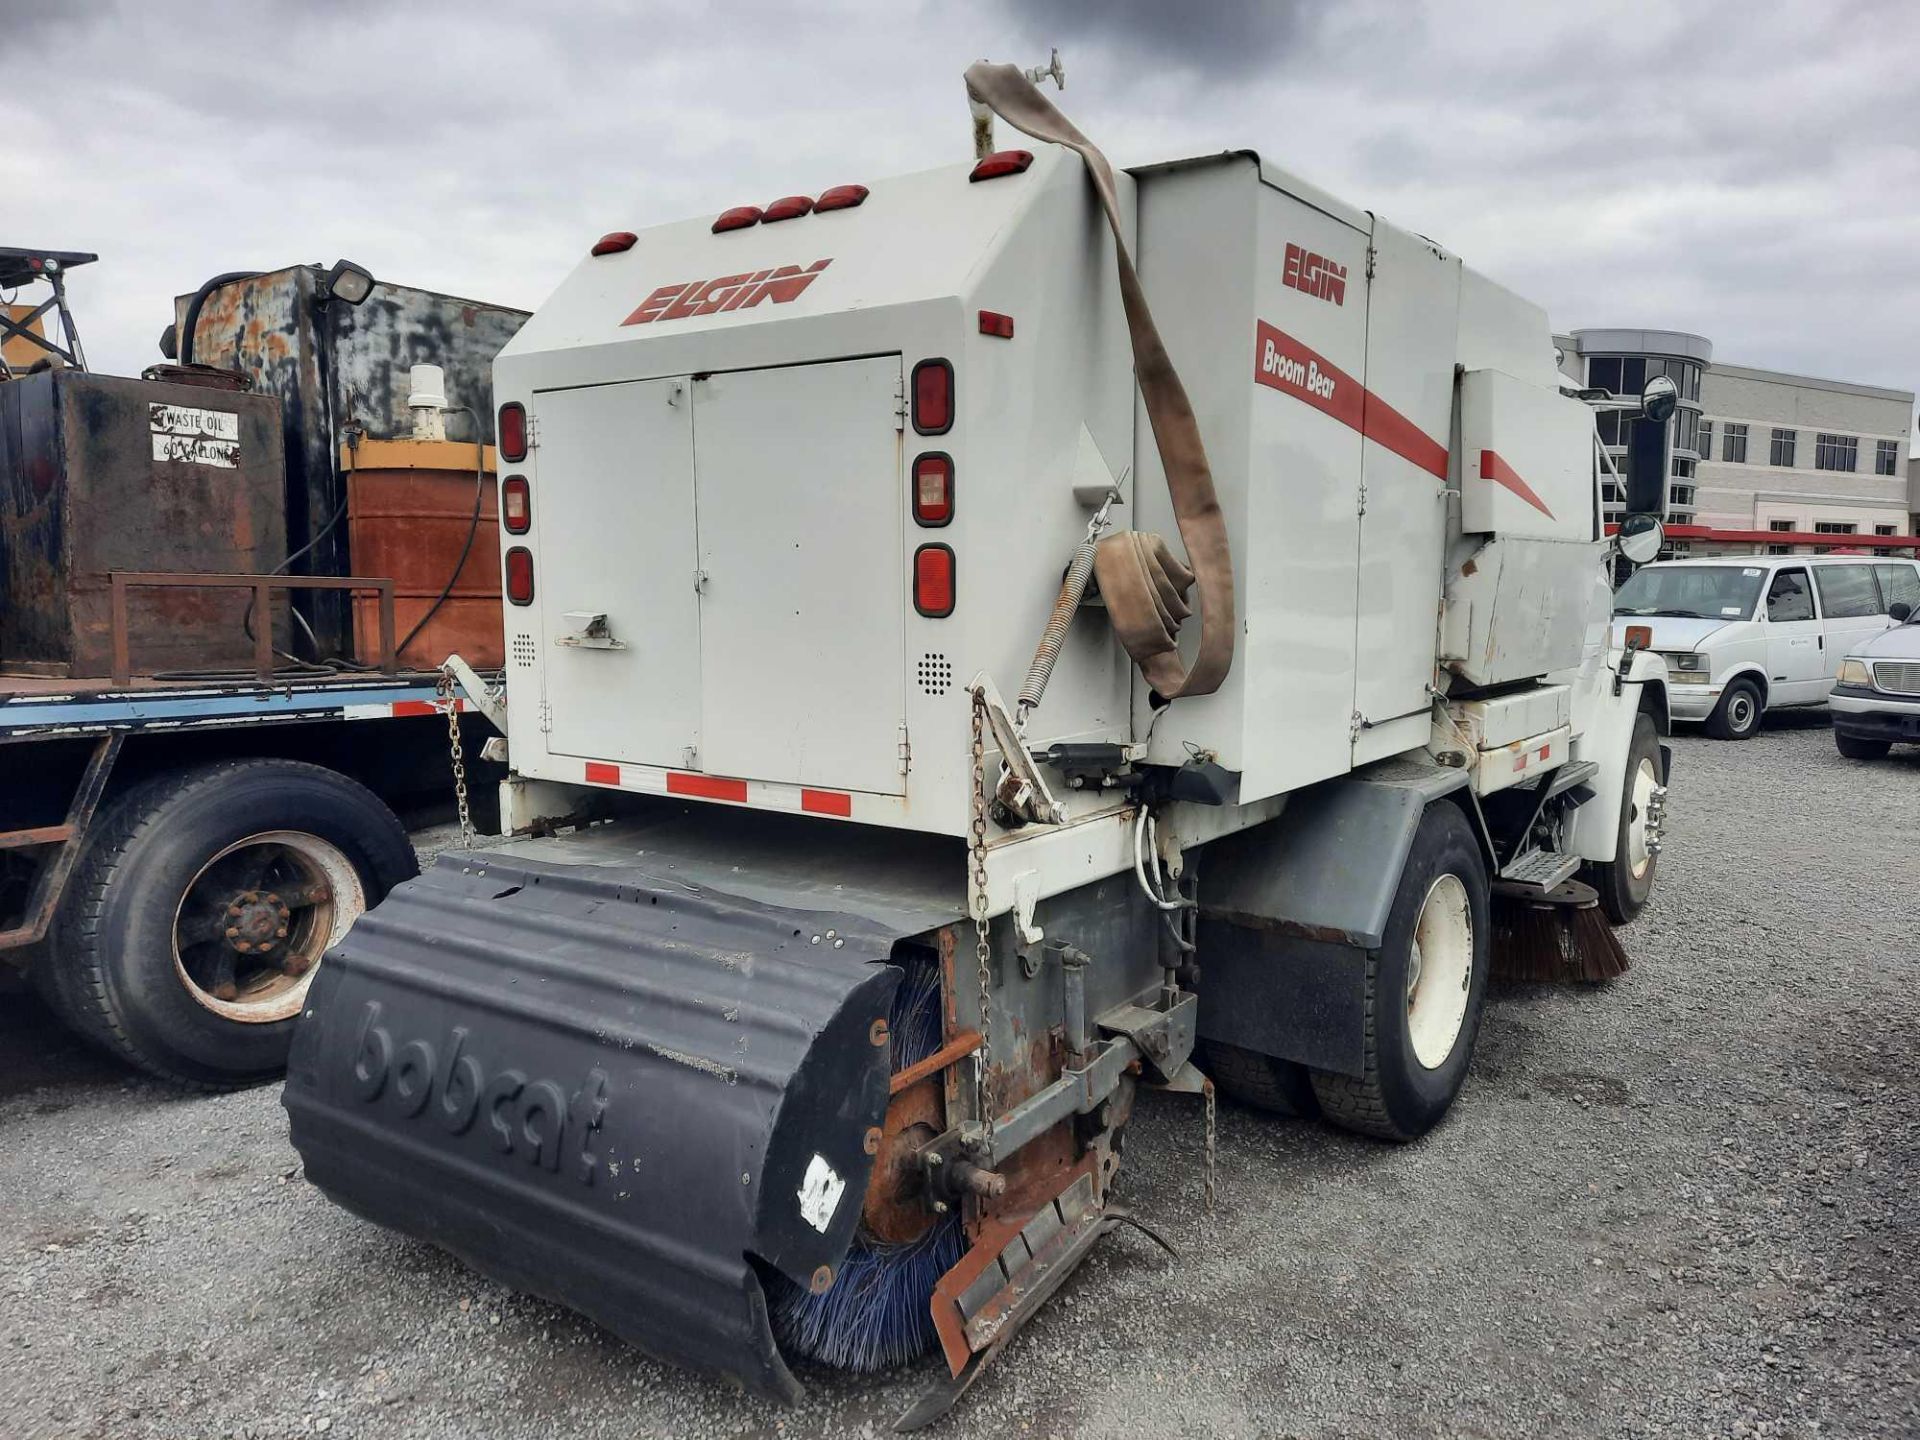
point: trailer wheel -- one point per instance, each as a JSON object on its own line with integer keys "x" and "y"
{"x": 1737, "y": 716}
{"x": 1625, "y": 882}
{"x": 1426, "y": 986}
{"x": 202, "y": 904}
{"x": 1264, "y": 1082}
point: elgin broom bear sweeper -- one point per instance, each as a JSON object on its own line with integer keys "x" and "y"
{"x": 806, "y": 1015}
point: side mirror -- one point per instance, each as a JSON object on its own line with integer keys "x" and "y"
{"x": 1640, "y": 537}
{"x": 1899, "y": 610}
{"x": 1647, "y": 464}
{"x": 1659, "y": 399}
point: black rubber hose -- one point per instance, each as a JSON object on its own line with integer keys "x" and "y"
{"x": 192, "y": 320}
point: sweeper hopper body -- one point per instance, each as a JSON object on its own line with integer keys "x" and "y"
{"x": 861, "y": 963}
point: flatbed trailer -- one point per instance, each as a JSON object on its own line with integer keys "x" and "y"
{"x": 176, "y": 854}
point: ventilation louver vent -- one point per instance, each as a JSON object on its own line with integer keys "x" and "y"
{"x": 936, "y": 673}
{"x": 523, "y": 652}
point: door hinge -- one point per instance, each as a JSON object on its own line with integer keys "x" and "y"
{"x": 900, "y": 402}
{"x": 906, "y": 750}
{"x": 1372, "y": 256}
{"x": 546, "y": 717}
{"x": 533, "y": 431}
{"x": 1355, "y": 725}
{"x": 699, "y": 582}
{"x": 1363, "y": 497}
{"x": 690, "y": 758}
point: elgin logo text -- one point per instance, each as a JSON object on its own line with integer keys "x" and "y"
{"x": 1314, "y": 275}
{"x": 729, "y": 292}
{"x": 533, "y": 1118}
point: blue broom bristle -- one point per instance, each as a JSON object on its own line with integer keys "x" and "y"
{"x": 876, "y": 1314}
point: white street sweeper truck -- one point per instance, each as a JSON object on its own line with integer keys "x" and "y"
{"x": 981, "y": 643}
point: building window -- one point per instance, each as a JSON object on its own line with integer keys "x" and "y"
{"x": 1886, "y": 529}
{"x": 1779, "y": 549}
{"x": 1681, "y": 495}
{"x": 1836, "y": 452}
{"x": 1733, "y": 445}
{"x": 1835, "y": 527}
{"x": 1783, "y": 525}
{"x": 1611, "y": 493}
{"x": 1706, "y": 439}
{"x": 1686, "y": 431}
{"x": 1886, "y": 457}
{"x": 1683, "y": 469}
{"x": 1609, "y": 427}
{"x": 1847, "y": 591}
{"x": 1604, "y": 375}
{"x": 1782, "y": 452}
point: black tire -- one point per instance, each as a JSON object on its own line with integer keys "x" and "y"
{"x": 1280, "y": 1087}
{"x": 1737, "y": 716}
{"x": 113, "y": 965}
{"x": 1396, "y": 1097}
{"x": 1857, "y": 749}
{"x": 1623, "y": 895}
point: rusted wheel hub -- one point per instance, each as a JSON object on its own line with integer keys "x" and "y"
{"x": 257, "y": 921}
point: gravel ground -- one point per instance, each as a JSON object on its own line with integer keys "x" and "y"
{"x": 1685, "y": 1205}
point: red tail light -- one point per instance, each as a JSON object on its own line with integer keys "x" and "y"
{"x": 791, "y": 208}
{"x": 933, "y": 581}
{"x": 992, "y": 322}
{"x": 841, "y": 197}
{"x": 933, "y": 489}
{"x": 511, "y": 433}
{"x": 1003, "y": 162}
{"x": 520, "y": 575}
{"x": 516, "y": 505}
{"x": 614, "y": 242}
{"x": 738, "y": 218}
{"x": 933, "y": 397}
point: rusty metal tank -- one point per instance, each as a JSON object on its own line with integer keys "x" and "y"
{"x": 335, "y": 366}
{"x": 99, "y": 474}
{"x": 409, "y": 508}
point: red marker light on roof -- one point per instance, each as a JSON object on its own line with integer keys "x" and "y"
{"x": 992, "y": 322}
{"x": 516, "y": 505}
{"x": 840, "y": 197}
{"x": 933, "y": 581}
{"x": 933, "y": 489}
{"x": 511, "y": 433}
{"x": 614, "y": 241}
{"x": 738, "y": 218}
{"x": 933, "y": 397}
{"x": 1001, "y": 162}
{"x": 520, "y": 575}
{"x": 790, "y": 208}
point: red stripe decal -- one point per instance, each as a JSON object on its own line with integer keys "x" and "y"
{"x": 1493, "y": 468}
{"x": 826, "y": 802}
{"x": 707, "y": 787}
{"x": 412, "y": 707}
{"x": 1282, "y": 363}
{"x": 601, "y": 773}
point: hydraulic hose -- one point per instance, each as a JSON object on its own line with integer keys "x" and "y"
{"x": 192, "y": 319}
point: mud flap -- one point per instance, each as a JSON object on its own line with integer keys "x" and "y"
{"x": 618, "y": 1092}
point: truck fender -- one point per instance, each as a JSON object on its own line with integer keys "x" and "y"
{"x": 1290, "y": 907}
{"x": 1606, "y": 741}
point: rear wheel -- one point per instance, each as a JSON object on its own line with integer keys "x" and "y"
{"x": 202, "y": 905}
{"x": 1737, "y": 716}
{"x": 1857, "y": 749}
{"x": 1426, "y": 986}
{"x": 1625, "y": 882}
{"x": 1262, "y": 1081}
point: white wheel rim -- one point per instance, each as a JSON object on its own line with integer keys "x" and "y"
{"x": 1639, "y": 855}
{"x": 1740, "y": 711}
{"x": 1440, "y": 971}
{"x": 304, "y": 882}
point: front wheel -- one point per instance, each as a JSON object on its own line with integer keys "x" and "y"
{"x": 1426, "y": 986}
{"x": 1625, "y": 882}
{"x": 1857, "y": 749}
{"x": 202, "y": 905}
{"x": 1737, "y": 716}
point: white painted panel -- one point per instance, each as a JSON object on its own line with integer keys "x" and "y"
{"x": 801, "y": 492}
{"x": 612, "y": 488}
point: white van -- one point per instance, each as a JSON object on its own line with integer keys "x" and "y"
{"x": 1743, "y": 634}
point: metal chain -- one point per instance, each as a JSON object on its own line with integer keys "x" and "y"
{"x": 977, "y": 903}
{"x": 450, "y": 703}
{"x": 1207, "y": 1097}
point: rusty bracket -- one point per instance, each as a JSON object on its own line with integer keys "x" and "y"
{"x": 51, "y": 881}
{"x": 263, "y": 587}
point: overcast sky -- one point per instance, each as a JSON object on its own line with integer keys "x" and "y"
{"x": 1747, "y": 171}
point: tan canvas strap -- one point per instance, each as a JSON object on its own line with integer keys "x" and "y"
{"x": 1143, "y": 583}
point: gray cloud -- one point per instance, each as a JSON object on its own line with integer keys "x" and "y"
{"x": 1747, "y": 171}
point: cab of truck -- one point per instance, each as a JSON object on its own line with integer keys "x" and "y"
{"x": 1744, "y": 634}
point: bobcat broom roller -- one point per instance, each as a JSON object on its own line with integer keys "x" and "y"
{"x": 804, "y": 1015}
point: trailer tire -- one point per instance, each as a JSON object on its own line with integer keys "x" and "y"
{"x": 1264, "y": 1082}
{"x": 1737, "y": 716}
{"x": 1623, "y": 889}
{"x": 1412, "y": 1070}
{"x": 158, "y": 862}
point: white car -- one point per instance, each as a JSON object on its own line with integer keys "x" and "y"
{"x": 1876, "y": 703}
{"x": 1744, "y": 634}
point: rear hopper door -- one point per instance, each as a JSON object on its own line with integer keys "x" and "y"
{"x": 797, "y": 476}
